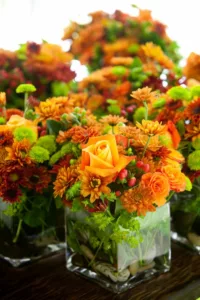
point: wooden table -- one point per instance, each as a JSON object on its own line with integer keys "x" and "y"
{"x": 49, "y": 279}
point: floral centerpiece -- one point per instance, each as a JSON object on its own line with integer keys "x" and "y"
{"x": 109, "y": 36}
{"x": 179, "y": 109}
{"x": 45, "y": 65}
{"x": 115, "y": 181}
{"x": 31, "y": 221}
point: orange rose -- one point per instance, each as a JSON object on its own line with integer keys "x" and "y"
{"x": 158, "y": 186}
{"x": 17, "y": 121}
{"x": 100, "y": 156}
{"x": 177, "y": 179}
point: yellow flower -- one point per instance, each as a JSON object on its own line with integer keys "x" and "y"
{"x": 149, "y": 50}
{"x": 151, "y": 127}
{"x": 94, "y": 185}
{"x": 143, "y": 95}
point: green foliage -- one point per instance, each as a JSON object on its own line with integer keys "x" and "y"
{"x": 73, "y": 191}
{"x": 25, "y": 88}
{"x": 181, "y": 127}
{"x": 113, "y": 30}
{"x": 139, "y": 114}
{"x": 34, "y": 217}
{"x": 54, "y": 158}
{"x": 23, "y": 132}
{"x": 188, "y": 184}
{"x": 47, "y": 142}
{"x": 179, "y": 93}
{"x": 194, "y": 160}
{"x": 39, "y": 154}
{"x": 119, "y": 70}
{"x": 2, "y": 121}
{"x": 159, "y": 103}
{"x": 113, "y": 108}
{"x": 196, "y": 144}
{"x": 110, "y": 197}
{"x": 195, "y": 91}
{"x": 54, "y": 127}
{"x": 133, "y": 48}
{"x": 70, "y": 148}
{"x": 58, "y": 202}
{"x": 100, "y": 220}
{"x": 76, "y": 205}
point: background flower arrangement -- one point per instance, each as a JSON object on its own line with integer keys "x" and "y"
{"x": 45, "y": 65}
{"x": 116, "y": 35}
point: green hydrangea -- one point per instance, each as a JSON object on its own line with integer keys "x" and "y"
{"x": 39, "y": 154}
{"x": 25, "y": 133}
{"x": 54, "y": 158}
{"x": 139, "y": 114}
{"x": 25, "y": 88}
{"x": 2, "y": 121}
{"x": 47, "y": 142}
{"x": 194, "y": 160}
{"x": 179, "y": 93}
{"x": 188, "y": 184}
{"x": 196, "y": 144}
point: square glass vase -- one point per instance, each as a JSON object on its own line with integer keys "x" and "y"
{"x": 21, "y": 244}
{"x": 119, "y": 267}
{"x": 185, "y": 220}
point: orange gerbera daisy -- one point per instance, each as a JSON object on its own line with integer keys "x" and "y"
{"x": 19, "y": 152}
{"x": 192, "y": 131}
{"x": 36, "y": 178}
{"x": 94, "y": 185}
{"x": 192, "y": 112}
{"x": 113, "y": 120}
{"x": 65, "y": 178}
{"x": 151, "y": 127}
{"x": 143, "y": 95}
{"x": 137, "y": 200}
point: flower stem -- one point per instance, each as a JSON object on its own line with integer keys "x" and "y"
{"x": 99, "y": 248}
{"x": 146, "y": 110}
{"x": 25, "y": 102}
{"x": 18, "y": 231}
{"x": 145, "y": 148}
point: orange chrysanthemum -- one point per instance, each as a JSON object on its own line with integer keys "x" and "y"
{"x": 6, "y": 137}
{"x": 192, "y": 111}
{"x": 141, "y": 141}
{"x": 129, "y": 131}
{"x": 94, "y": 185}
{"x": 154, "y": 52}
{"x": 137, "y": 200}
{"x": 53, "y": 108}
{"x": 65, "y": 178}
{"x": 192, "y": 68}
{"x": 113, "y": 120}
{"x": 192, "y": 131}
{"x": 143, "y": 95}
{"x": 2, "y": 99}
{"x": 19, "y": 152}
{"x": 121, "y": 61}
{"x": 78, "y": 134}
{"x": 151, "y": 127}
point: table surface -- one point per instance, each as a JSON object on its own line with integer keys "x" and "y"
{"x": 49, "y": 279}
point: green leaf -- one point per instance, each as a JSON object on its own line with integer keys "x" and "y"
{"x": 54, "y": 127}
{"x": 34, "y": 218}
{"x": 76, "y": 205}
